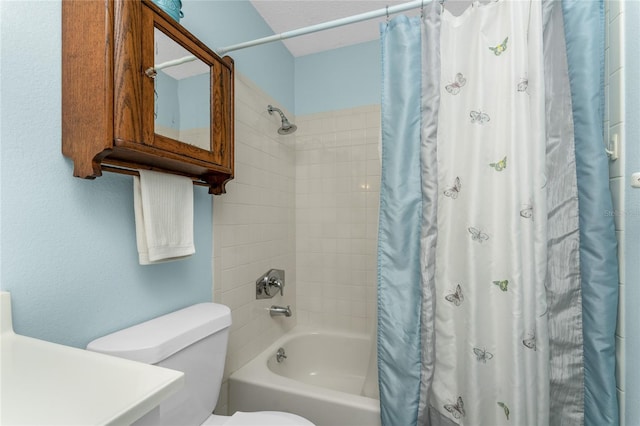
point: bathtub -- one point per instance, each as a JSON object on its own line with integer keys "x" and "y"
{"x": 321, "y": 379}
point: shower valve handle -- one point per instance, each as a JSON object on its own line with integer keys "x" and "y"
{"x": 269, "y": 283}
{"x": 275, "y": 282}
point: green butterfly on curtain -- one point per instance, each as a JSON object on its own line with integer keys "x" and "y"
{"x": 499, "y": 49}
{"x": 502, "y": 284}
{"x": 500, "y": 165}
{"x": 505, "y": 408}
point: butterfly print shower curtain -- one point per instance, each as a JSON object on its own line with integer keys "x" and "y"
{"x": 479, "y": 262}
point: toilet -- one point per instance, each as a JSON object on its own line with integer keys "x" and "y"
{"x": 192, "y": 340}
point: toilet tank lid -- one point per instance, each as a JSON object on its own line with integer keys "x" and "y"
{"x": 155, "y": 340}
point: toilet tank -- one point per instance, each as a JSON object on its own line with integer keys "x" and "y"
{"x": 192, "y": 340}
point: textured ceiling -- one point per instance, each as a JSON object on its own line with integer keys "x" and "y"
{"x": 287, "y": 15}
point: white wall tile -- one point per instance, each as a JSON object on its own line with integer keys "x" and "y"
{"x": 335, "y": 188}
{"x": 254, "y": 226}
{"x": 621, "y": 256}
{"x": 617, "y": 197}
{"x": 616, "y": 44}
{"x": 616, "y": 96}
{"x": 614, "y": 124}
{"x": 615, "y": 8}
{"x": 620, "y": 328}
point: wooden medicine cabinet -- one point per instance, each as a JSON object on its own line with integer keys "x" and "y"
{"x": 141, "y": 92}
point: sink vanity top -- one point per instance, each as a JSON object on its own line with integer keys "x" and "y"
{"x": 50, "y": 384}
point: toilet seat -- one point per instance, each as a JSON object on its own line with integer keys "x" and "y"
{"x": 258, "y": 418}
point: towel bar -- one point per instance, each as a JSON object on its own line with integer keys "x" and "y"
{"x": 133, "y": 172}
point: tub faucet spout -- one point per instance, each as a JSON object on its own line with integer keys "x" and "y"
{"x": 279, "y": 310}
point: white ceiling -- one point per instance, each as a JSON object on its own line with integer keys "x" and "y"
{"x": 287, "y": 15}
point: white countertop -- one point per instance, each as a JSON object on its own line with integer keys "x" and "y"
{"x": 44, "y": 383}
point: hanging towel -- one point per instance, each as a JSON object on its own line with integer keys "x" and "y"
{"x": 163, "y": 205}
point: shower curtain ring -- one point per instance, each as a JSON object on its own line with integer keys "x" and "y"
{"x": 387, "y": 14}
{"x": 422, "y": 9}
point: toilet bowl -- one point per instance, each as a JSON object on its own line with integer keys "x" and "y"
{"x": 192, "y": 340}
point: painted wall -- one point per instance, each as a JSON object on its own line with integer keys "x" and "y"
{"x": 338, "y": 79}
{"x": 167, "y": 113}
{"x": 69, "y": 255}
{"x": 630, "y": 46}
{"x": 221, "y": 23}
{"x": 193, "y": 93}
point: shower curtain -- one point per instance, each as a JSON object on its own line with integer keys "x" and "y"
{"x": 497, "y": 269}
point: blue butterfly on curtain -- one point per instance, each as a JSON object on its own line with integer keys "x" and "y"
{"x": 479, "y": 117}
{"x": 457, "y": 409}
{"x": 453, "y": 191}
{"x": 527, "y": 211}
{"x": 478, "y": 235}
{"x": 523, "y": 85}
{"x": 456, "y": 297}
{"x": 530, "y": 342}
{"x": 482, "y": 355}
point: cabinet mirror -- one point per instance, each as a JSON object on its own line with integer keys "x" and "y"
{"x": 181, "y": 93}
{"x": 142, "y": 92}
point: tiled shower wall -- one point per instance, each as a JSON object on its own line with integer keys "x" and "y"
{"x": 337, "y": 197}
{"x": 615, "y": 127}
{"x": 254, "y": 229}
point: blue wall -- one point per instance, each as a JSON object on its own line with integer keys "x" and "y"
{"x": 194, "y": 102}
{"x": 632, "y": 204}
{"x": 68, "y": 245}
{"x": 167, "y": 101}
{"x": 341, "y": 78}
{"x": 222, "y": 23}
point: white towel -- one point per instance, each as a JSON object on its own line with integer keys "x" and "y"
{"x": 163, "y": 205}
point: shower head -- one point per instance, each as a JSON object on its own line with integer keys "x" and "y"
{"x": 286, "y": 128}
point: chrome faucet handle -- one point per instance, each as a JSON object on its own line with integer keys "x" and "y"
{"x": 266, "y": 283}
{"x": 276, "y": 282}
{"x": 263, "y": 286}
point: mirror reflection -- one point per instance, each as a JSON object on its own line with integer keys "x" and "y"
{"x": 182, "y": 98}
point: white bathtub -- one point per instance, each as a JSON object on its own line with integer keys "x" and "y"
{"x": 321, "y": 379}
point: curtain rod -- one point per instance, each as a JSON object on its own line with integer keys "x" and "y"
{"x": 325, "y": 26}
